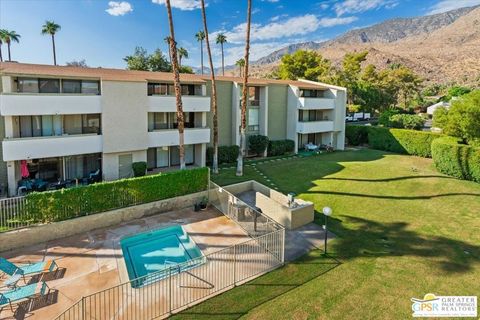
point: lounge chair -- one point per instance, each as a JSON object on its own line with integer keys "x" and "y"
{"x": 15, "y": 271}
{"x": 23, "y": 293}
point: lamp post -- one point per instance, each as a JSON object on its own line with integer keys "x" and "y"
{"x": 327, "y": 211}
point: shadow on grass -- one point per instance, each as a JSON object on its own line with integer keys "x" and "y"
{"x": 237, "y": 302}
{"x": 425, "y": 197}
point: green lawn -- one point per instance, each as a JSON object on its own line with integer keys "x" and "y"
{"x": 403, "y": 230}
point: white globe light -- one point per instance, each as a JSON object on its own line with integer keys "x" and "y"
{"x": 327, "y": 211}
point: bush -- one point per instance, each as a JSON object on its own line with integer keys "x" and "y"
{"x": 139, "y": 168}
{"x": 411, "y": 142}
{"x": 457, "y": 160}
{"x": 406, "y": 121}
{"x": 280, "y": 147}
{"x": 226, "y": 154}
{"x": 356, "y": 135}
{"x": 257, "y": 144}
{"x": 384, "y": 119}
{"x": 65, "y": 204}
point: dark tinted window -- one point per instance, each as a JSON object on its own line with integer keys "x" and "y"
{"x": 71, "y": 86}
{"x": 90, "y": 87}
{"x": 49, "y": 85}
{"x": 27, "y": 85}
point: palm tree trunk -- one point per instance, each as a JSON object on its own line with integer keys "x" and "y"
{"x": 214, "y": 92}
{"x": 9, "y": 56}
{"x": 201, "y": 53}
{"x": 223, "y": 60}
{"x": 176, "y": 83}
{"x": 54, "y": 54}
{"x": 1, "y": 57}
{"x": 243, "y": 125}
{"x": 180, "y": 61}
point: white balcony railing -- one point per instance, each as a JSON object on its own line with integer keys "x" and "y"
{"x": 161, "y": 138}
{"x": 25, "y": 104}
{"x": 46, "y": 147}
{"x": 314, "y": 126}
{"x": 316, "y": 103}
{"x": 168, "y": 104}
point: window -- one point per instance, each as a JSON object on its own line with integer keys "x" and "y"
{"x": 30, "y": 126}
{"x": 188, "y": 118}
{"x": 77, "y": 167}
{"x": 311, "y": 93}
{"x": 27, "y": 85}
{"x": 71, "y": 86}
{"x": 254, "y": 96}
{"x": 157, "y": 89}
{"x": 72, "y": 124}
{"x": 91, "y": 123}
{"x": 160, "y": 121}
{"x": 49, "y": 85}
{"x": 90, "y": 87}
{"x": 253, "y": 119}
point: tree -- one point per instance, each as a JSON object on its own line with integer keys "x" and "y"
{"x": 182, "y": 53}
{"x": 158, "y": 62}
{"x": 176, "y": 84}
{"x": 141, "y": 60}
{"x": 80, "y": 63}
{"x": 51, "y": 28}
{"x": 200, "y": 35}
{"x": 240, "y": 64}
{"x": 402, "y": 83}
{"x": 304, "y": 64}
{"x": 243, "y": 125}
{"x": 214, "y": 92}
{"x": 9, "y": 37}
{"x": 221, "y": 39}
{"x": 350, "y": 73}
{"x": 3, "y": 33}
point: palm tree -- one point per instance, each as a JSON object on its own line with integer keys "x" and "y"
{"x": 182, "y": 53}
{"x": 8, "y": 37}
{"x": 176, "y": 84}
{"x": 244, "y": 93}
{"x": 2, "y": 38}
{"x": 167, "y": 41}
{"x": 221, "y": 39}
{"x": 240, "y": 64}
{"x": 50, "y": 27}
{"x": 200, "y": 35}
{"x": 214, "y": 92}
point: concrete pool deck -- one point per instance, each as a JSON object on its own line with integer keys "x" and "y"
{"x": 93, "y": 261}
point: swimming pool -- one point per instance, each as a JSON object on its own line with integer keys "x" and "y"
{"x": 154, "y": 252}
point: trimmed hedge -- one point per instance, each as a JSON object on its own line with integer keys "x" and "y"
{"x": 280, "y": 147}
{"x": 258, "y": 144}
{"x": 457, "y": 160}
{"x": 226, "y": 154}
{"x": 356, "y": 135}
{"x": 70, "y": 203}
{"x": 139, "y": 169}
{"x": 417, "y": 143}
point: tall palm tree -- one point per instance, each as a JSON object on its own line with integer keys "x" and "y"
{"x": 182, "y": 53}
{"x": 50, "y": 27}
{"x": 9, "y": 37}
{"x": 240, "y": 64}
{"x": 221, "y": 39}
{"x": 2, "y": 39}
{"x": 176, "y": 84}
{"x": 214, "y": 92}
{"x": 200, "y": 35}
{"x": 244, "y": 93}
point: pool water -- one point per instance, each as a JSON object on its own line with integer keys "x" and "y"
{"x": 156, "y": 251}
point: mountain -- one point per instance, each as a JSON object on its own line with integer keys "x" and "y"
{"x": 442, "y": 47}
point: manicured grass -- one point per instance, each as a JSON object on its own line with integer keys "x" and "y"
{"x": 403, "y": 230}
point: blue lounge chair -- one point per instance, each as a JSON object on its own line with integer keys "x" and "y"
{"x": 15, "y": 271}
{"x": 20, "y": 294}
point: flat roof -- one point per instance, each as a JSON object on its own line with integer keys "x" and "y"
{"x": 109, "y": 74}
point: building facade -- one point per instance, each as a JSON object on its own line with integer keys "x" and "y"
{"x": 66, "y": 123}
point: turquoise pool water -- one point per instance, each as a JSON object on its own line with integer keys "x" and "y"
{"x": 156, "y": 251}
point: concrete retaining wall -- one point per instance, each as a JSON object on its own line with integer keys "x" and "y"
{"x": 57, "y": 230}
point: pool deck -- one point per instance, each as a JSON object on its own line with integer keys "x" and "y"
{"x": 93, "y": 261}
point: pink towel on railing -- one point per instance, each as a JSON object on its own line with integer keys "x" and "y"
{"x": 24, "y": 169}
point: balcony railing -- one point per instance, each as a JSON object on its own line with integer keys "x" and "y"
{"x": 316, "y": 103}
{"x": 314, "y": 126}
{"x": 169, "y": 104}
{"x": 170, "y": 137}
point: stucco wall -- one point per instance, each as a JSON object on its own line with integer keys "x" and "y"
{"x": 277, "y": 112}
{"x": 224, "y": 103}
{"x": 3, "y": 165}
{"x": 110, "y": 163}
{"x": 43, "y": 233}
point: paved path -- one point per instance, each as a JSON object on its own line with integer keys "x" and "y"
{"x": 302, "y": 240}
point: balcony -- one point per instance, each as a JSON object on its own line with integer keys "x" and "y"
{"x": 316, "y": 103}
{"x": 314, "y": 126}
{"x": 23, "y": 104}
{"x": 168, "y": 104}
{"x": 55, "y": 146}
{"x": 162, "y": 138}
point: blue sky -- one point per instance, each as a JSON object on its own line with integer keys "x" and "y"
{"x": 103, "y": 32}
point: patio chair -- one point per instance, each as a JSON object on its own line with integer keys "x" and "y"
{"x": 19, "y": 294}
{"x": 15, "y": 272}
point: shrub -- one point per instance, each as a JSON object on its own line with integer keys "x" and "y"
{"x": 139, "y": 168}
{"x": 356, "y": 135}
{"x": 457, "y": 160}
{"x": 226, "y": 154}
{"x": 384, "y": 119}
{"x": 280, "y": 147}
{"x": 411, "y": 142}
{"x": 257, "y": 144}
{"x": 406, "y": 121}
{"x": 65, "y": 204}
